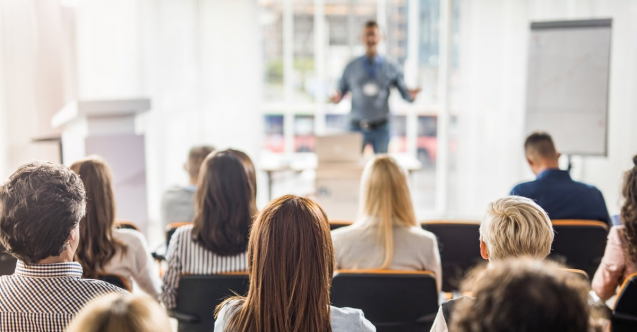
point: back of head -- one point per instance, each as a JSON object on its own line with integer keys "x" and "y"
{"x": 516, "y": 226}
{"x": 524, "y": 295}
{"x": 386, "y": 199}
{"x": 225, "y": 203}
{"x": 540, "y": 146}
{"x": 39, "y": 207}
{"x": 121, "y": 313}
{"x": 196, "y": 157}
{"x": 291, "y": 262}
{"x": 97, "y": 245}
{"x": 629, "y": 211}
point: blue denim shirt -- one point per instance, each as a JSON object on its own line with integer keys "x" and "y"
{"x": 563, "y": 198}
{"x": 381, "y": 73}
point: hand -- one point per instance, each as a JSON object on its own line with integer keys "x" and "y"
{"x": 336, "y": 97}
{"x": 414, "y": 93}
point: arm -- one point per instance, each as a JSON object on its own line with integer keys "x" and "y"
{"x": 171, "y": 278}
{"x": 343, "y": 87}
{"x": 434, "y": 263}
{"x": 611, "y": 269}
{"x": 407, "y": 94}
{"x": 145, "y": 272}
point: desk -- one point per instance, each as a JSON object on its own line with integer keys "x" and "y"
{"x": 273, "y": 163}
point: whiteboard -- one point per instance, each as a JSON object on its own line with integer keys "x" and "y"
{"x": 567, "y": 84}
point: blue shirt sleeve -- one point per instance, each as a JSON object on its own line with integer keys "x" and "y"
{"x": 399, "y": 82}
{"x": 343, "y": 86}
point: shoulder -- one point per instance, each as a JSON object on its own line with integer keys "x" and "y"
{"x": 523, "y": 188}
{"x": 589, "y": 187}
{"x": 615, "y": 233}
{"x": 345, "y": 232}
{"x": 228, "y": 309}
{"x": 418, "y": 232}
{"x": 176, "y": 192}
{"x": 350, "y": 320}
{"x": 98, "y": 287}
{"x": 129, "y": 237}
{"x": 183, "y": 231}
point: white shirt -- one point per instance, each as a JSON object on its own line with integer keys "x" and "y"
{"x": 136, "y": 264}
{"x": 440, "y": 324}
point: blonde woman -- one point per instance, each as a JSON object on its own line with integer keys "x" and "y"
{"x": 386, "y": 234}
{"x": 121, "y": 313}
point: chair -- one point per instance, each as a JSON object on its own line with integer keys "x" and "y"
{"x": 335, "y": 224}
{"x": 579, "y": 273}
{"x": 199, "y": 295}
{"x": 397, "y": 301}
{"x": 122, "y": 224}
{"x": 115, "y": 280}
{"x": 625, "y": 313}
{"x": 579, "y": 244}
{"x": 459, "y": 245}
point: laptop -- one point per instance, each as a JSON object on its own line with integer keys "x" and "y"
{"x": 339, "y": 148}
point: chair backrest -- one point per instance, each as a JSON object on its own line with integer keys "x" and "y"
{"x": 7, "y": 263}
{"x": 116, "y": 280}
{"x": 123, "y": 224}
{"x": 579, "y": 273}
{"x": 398, "y": 301}
{"x": 625, "y": 312}
{"x": 335, "y": 224}
{"x": 199, "y": 295}
{"x": 579, "y": 244}
{"x": 172, "y": 227}
{"x": 459, "y": 245}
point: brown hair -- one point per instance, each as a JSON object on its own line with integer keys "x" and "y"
{"x": 39, "y": 207}
{"x": 225, "y": 203}
{"x": 540, "y": 144}
{"x": 121, "y": 313}
{"x": 629, "y": 211}
{"x": 97, "y": 245}
{"x": 524, "y": 295}
{"x": 371, "y": 24}
{"x": 196, "y": 157}
{"x": 291, "y": 263}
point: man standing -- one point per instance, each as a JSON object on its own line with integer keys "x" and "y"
{"x": 554, "y": 190}
{"x": 369, "y": 79}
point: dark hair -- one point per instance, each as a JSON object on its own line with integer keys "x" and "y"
{"x": 540, "y": 144}
{"x": 39, "y": 207}
{"x": 225, "y": 203}
{"x": 535, "y": 295}
{"x": 97, "y": 245}
{"x": 196, "y": 156}
{"x": 371, "y": 24}
{"x": 629, "y": 211}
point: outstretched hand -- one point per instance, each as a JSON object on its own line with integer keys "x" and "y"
{"x": 413, "y": 93}
{"x": 336, "y": 97}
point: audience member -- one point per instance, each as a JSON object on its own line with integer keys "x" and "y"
{"x": 386, "y": 235}
{"x": 178, "y": 202}
{"x": 620, "y": 257}
{"x": 104, "y": 249}
{"x": 554, "y": 190}
{"x": 121, "y": 313}
{"x": 525, "y": 295}
{"x": 512, "y": 227}
{"x": 291, "y": 263}
{"x": 218, "y": 239}
{"x": 40, "y": 211}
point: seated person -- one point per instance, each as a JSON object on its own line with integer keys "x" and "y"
{"x": 554, "y": 190}
{"x": 525, "y": 295}
{"x": 386, "y": 235}
{"x": 512, "y": 227}
{"x": 291, "y": 268}
{"x": 217, "y": 240}
{"x": 104, "y": 249}
{"x": 178, "y": 202}
{"x": 40, "y": 211}
{"x": 620, "y": 256}
{"x": 121, "y": 313}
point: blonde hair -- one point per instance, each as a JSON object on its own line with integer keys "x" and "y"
{"x": 384, "y": 196}
{"x": 515, "y": 226}
{"x": 121, "y": 313}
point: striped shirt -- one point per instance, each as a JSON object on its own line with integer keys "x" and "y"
{"x": 46, "y": 297}
{"x": 186, "y": 257}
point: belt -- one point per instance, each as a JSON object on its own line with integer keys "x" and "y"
{"x": 370, "y": 124}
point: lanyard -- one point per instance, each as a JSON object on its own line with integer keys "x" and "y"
{"x": 372, "y": 68}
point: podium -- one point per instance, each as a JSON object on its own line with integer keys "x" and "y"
{"x": 107, "y": 128}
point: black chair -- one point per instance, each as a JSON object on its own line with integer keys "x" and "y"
{"x": 7, "y": 263}
{"x": 336, "y": 224}
{"x": 122, "y": 224}
{"x": 579, "y": 244}
{"x": 625, "y": 313}
{"x": 115, "y": 280}
{"x": 199, "y": 295}
{"x": 459, "y": 245}
{"x": 397, "y": 301}
{"x": 172, "y": 227}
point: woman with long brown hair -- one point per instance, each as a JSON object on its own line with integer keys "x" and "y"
{"x": 103, "y": 249}
{"x": 290, "y": 263}
{"x": 386, "y": 234}
{"x": 216, "y": 242}
{"x": 620, "y": 256}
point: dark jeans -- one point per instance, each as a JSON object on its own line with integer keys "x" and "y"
{"x": 377, "y": 137}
